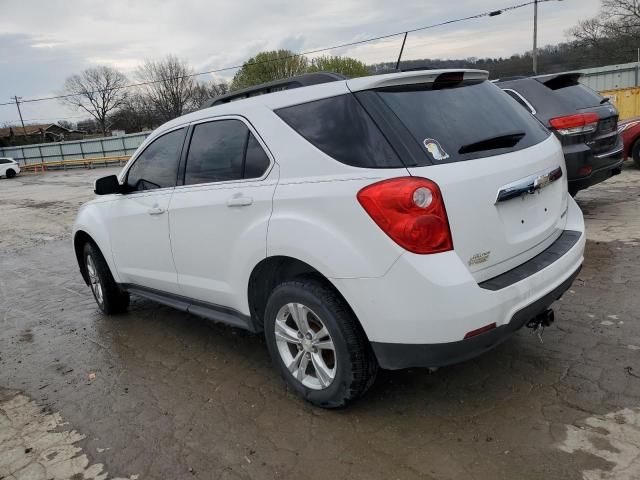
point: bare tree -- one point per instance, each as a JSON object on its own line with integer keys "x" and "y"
{"x": 621, "y": 15}
{"x": 205, "y": 91}
{"x": 169, "y": 85}
{"x": 617, "y": 18}
{"x": 589, "y": 32}
{"x": 137, "y": 114}
{"x": 98, "y": 91}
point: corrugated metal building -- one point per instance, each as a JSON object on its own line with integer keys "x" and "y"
{"x": 620, "y": 83}
{"x": 611, "y": 77}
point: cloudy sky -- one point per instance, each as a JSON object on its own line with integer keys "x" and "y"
{"x": 44, "y": 41}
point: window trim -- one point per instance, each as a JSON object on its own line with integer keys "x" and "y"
{"x": 524, "y": 100}
{"x": 124, "y": 175}
{"x": 187, "y": 144}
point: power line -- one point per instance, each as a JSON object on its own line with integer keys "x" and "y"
{"x": 491, "y": 13}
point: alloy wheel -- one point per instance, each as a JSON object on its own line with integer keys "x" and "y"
{"x": 305, "y": 346}
{"x": 94, "y": 280}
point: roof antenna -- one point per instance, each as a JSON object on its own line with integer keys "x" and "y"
{"x": 401, "y": 50}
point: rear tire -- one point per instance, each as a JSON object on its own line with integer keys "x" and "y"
{"x": 330, "y": 365}
{"x": 10, "y": 173}
{"x": 109, "y": 297}
{"x": 635, "y": 153}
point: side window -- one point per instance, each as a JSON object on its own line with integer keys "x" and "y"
{"x": 2, "y": 160}
{"x": 342, "y": 129}
{"x": 216, "y": 152}
{"x": 157, "y": 165}
{"x": 223, "y": 150}
{"x": 256, "y": 162}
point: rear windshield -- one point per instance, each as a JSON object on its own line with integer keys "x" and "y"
{"x": 463, "y": 122}
{"x": 575, "y": 95}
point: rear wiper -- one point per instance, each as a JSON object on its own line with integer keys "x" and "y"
{"x": 604, "y": 100}
{"x": 502, "y": 141}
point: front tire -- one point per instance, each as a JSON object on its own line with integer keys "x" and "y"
{"x": 317, "y": 344}
{"x": 109, "y": 297}
{"x": 10, "y": 173}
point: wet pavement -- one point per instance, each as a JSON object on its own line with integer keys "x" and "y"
{"x": 160, "y": 394}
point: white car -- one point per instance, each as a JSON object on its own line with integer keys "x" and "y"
{"x": 8, "y": 167}
{"x": 411, "y": 219}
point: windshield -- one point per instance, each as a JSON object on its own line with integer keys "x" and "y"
{"x": 464, "y": 122}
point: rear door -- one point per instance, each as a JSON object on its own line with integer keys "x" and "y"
{"x": 219, "y": 216}
{"x": 484, "y": 150}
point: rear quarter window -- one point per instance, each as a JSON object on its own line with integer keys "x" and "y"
{"x": 340, "y": 127}
{"x": 457, "y": 123}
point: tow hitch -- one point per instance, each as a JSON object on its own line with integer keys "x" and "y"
{"x": 540, "y": 322}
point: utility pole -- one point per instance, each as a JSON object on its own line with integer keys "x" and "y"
{"x": 17, "y": 100}
{"x": 535, "y": 37}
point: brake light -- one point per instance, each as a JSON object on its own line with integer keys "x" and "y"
{"x": 576, "y": 124}
{"x": 411, "y": 211}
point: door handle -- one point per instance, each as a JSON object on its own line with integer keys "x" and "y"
{"x": 155, "y": 210}
{"x": 239, "y": 201}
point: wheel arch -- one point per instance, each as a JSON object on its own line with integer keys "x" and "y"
{"x": 80, "y": 239}
{"x": 271, "y": 272}
{"x": 632, "y": 146}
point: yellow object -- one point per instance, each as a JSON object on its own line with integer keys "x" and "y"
{"x": 86, "y": 162}
{"x": 626, "y": 100}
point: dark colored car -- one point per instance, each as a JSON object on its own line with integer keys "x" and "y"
{"x": 630, "y": 131}
{"x": 585, "y": 122}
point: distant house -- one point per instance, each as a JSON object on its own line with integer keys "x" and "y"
{"x": 37, "y": 133}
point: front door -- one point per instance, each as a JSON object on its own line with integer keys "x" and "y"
{"x": 139, "y": 220}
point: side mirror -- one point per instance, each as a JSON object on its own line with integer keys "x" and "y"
{"x": 107, "y": 185}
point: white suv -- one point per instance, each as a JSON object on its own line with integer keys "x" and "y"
{"x": 8, "y": 167}
{"x": 401, "y": 220}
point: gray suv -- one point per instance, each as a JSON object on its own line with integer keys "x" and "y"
{"x": 585, "y": 122}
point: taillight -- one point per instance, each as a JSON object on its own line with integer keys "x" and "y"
{"x": 411, "y": 211}
{"x": 575, "y": 124}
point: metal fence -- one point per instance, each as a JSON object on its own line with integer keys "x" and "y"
{"x": 611, "y": 77}
{"x": 75, "y": 150}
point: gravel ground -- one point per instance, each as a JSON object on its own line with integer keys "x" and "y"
{"x": 160, "y": 394}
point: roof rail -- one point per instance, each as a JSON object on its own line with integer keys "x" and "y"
{"x": 298, "y": 81}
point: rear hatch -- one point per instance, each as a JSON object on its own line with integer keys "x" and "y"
{"x": 571, "y": 97}
{"x": 477, "y": 142}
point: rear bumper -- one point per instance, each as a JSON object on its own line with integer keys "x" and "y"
{"x": 596, "y": 176}
{"x": 394, "y": 356}
{"x": 419, "y": 312}
{"x": 603, "y": 166}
